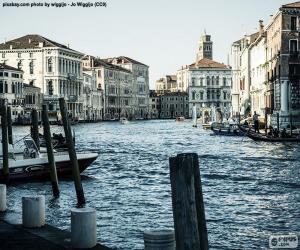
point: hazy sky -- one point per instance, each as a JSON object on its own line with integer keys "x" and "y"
{"x": 163, "y": 34}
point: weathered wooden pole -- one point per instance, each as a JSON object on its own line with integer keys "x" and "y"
{"x": 187, "y": 201}
{"x": 266, "y": 121}
{"x": 200, "y": 204}
{"x": 35, "y": 127}
{"x": 291, "y": 123}
{"x": 278, "y": 121}
{"x": 51, "y": 160}
{"x": 72, "y": 152}
{"x": 9, "y": 125}
{"x": 4, "y": 143}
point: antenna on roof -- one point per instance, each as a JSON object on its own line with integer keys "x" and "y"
{"x": 5, "y": 40}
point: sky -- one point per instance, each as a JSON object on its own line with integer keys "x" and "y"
{"x": 163, "y": 34}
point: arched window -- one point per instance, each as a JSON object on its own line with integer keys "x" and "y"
{"x": 50, "y": 65}
{"x": 193, "y": 95}
{"x": 20, "y": 65}
{"x": 217, "y": 80}
{"x": 207, "y": 80}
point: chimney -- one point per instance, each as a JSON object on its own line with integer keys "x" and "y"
{"x": 11, "y": 47}
{"x": 261, "y": 27}
{"x": 29, "y": 41}
{"x": 41, "y": 44}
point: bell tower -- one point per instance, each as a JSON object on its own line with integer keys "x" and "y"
{"x": 205, "y": 47}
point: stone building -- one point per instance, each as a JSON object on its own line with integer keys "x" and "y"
{"x": 140, "y": 83}
{"x": 208, "y": 81}
{"x": 154, "y": 105}
{"x": 11, "y": 89}
{"x": 116, "y": 83}
{"x": 283, "y": 73}
{"x": 166, "y": 84}
{"x": 33, "y": 99}
{"x": 266, "y": 68}
{"x": 54, "y": 68}
{"x": 174, "y": 104}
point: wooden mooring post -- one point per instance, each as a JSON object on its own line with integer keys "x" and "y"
{"x": 291, "y": 124}
{"x": 35, "y": 128}
{"x": 72, "y": 152}
{"x": 278, "y": 121}
{"x": 187, "y": 201}
{"x": 4, "y": 143}
{"x": 51, "y": 160}
{"x": 9, "y": 126}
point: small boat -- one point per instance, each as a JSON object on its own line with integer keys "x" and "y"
{"x": 58, "y": 141}
{"x": 33, "y": 165}
{"x": 179, "y": 119}
{"x": 123, "y": 120}
{"x": 230, "y": 130}
{"x": 267, "y": 138}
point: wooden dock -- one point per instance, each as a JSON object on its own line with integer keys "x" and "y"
{"x": 16, "y": 237}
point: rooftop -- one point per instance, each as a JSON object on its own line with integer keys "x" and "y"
{"x": 7, "y": 67}
{"x": 124, "y": 60}
{"x": 31, "y": 41}
{"x": 292, "y": 5}
{"x": 208, "y": 63}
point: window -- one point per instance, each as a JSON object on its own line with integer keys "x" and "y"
{"x": 224, "y": 95}
{"x": 207, "y": 81}
{"x": 293, "y": 23}
{"x": 20, "y": 65}
{"x": 50, "y": 88}
{"x": 50, "y": 65}
{"x": 3, "y": 55}
{"x": 193, "y": 95}
{"x": 193, "y": 81}
{"x": 224, "y": 81}
{"x": 217, "y": 80}
{"x": 201, "y": 81}
{"x": 30, "y": 55}
{"x": 31, "y": 67}
{"x": 13, "y": 88}
{"x": 201, "y": 95}
{"x": 293, "y": 46}
{"x": 19, "y": 55}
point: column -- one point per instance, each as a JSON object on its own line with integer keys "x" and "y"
{"x": 284, "y": 96}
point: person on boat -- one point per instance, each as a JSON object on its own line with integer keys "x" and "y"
{"x": 275, "y": 133}
{"x": 271, "y": 131}
{"x": 283, "y": 133}
{"x": 256, "y": 122}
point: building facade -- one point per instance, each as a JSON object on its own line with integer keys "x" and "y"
{"x": 11, "y": 89}
{"x": 166, "y": 84}
{"x": 266, "y": 69}
{"x": 140, "y": 83}
{"x": 54, "y": 68}
{"x": 174, "y": 104}
{"x": 154, "y": 105}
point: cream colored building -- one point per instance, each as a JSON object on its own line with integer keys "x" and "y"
{"x": 54, "y": 68}
{"x": 166, "y": 84}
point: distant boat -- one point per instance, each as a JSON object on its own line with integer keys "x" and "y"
{"x": 123, "y": 120}
{"x": 179, "y": 119}
{"x": 229, "y": 130}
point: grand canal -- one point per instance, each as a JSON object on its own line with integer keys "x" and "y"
{"x": 251, "y": 190}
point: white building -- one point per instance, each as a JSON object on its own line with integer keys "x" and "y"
{"x": 54, "y": 68}
{"x": 208, "y": 81}
{"x": 11, "y": 89}
{"x": 166, "y": 84}
{"x": 93, "y": 96}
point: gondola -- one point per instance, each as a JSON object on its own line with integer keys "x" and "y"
{"x": 266, "y": 138}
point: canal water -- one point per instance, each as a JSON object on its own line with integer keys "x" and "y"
{"x": 251, "y": 189}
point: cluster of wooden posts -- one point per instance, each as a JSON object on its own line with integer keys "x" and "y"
{"x": 189, "y": 232}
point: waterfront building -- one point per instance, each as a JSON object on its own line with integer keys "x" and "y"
{"x": 140, "y": 83}
{"x": 93, "y": 96}
{"x": 174, "y": 104}
{"x": 266, "y": 66}
{"x": 117, "y": 87}
{"x": 166, "y": 84}
{"x": 208, "y": 81}
{"x": 11, "y": 89}
{"x": 55, "y": 68}
{"x": 154, "y": 105}
{"x": 33, "y": 99}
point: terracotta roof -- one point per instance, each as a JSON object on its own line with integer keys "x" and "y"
{"x": 30, "y": 42}
{"x": 292, "y": 5}
{"x": 7, "y": 67}
{"x": 124, "y": 60}
{"x": 207, "y": 63}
